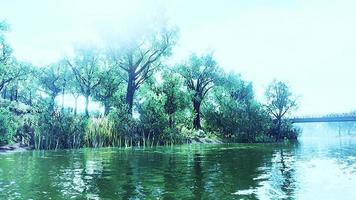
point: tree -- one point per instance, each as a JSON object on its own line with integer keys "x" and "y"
{"x": 152, "y": 116}
{"x": 232, "y": 111}
{"x": 142, "y": 58}
{"x": 10, "y": 69}
{"x": 199, "y": 74}
{"x": 66, "y": 76}
{"x": 174, "y": 96}
{"x": 5, "y": 49}
{"x": 74, "y": 90}
{"x": 280, "y": 102}
{"x": 51, "y": 79}
{"x": 86, "y": 67}
{"x": 29, "y": 90}
{"x": 239, "y": 90}
{"x": 8, "y": 125}
{"x": 108, "y": 87}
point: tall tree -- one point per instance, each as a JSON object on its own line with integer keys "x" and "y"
{"x": 29, "y": 88}
{"x": 142, "y": 58}
{"x": 66, "y": 76}
{"x": 10, "y": 69}
{"x": 199, "y": 73}
{"x": 51, "y": 79}
{"x": 5, "y": 49}
{"x": 280, "y": 102}
{"x": 109, "y": 85}
{"x": 86, "y": 67}
{"x": 174, "y": 96}
{"x": 74, "y": 90}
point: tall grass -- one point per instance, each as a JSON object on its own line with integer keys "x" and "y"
{"x": 100, "y": 133}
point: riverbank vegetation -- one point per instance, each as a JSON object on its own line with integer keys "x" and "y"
{"x": 146, "y": 101}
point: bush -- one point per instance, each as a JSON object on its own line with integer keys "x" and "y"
{"x": 235, "y": 121}
{"x": 60, "y": 130}
{"x": 289, "y": 131}
{"x": 153, "y": 120}
{"x": 124, "y": 127}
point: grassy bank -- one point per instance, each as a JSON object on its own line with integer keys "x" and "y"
{"x": 40, "y": 129}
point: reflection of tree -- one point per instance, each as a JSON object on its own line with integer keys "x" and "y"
{"x": 198, "y": 177}
{"x": 283, "y": 174}
{"x": 172, "y": 179}
{"x": 118, "y": 178}
{"x": 231, "y": 169}
{"x": 129, "y": 185}
{"x": 106, "y": 182}
{"x": 194, "y": 172}
{"x": 342, "y": 150}
{"x": 287, "y": 171}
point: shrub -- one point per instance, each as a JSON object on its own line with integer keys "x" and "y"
{"x": 60, "y": 130}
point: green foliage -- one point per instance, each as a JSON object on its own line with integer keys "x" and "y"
{"x": 124, "y": 125}
{"x": 175, "y": 97}
{"x": 99, "y": 133}
{"x": 8, "y": 126}
{"x": 153, "y": 118}
{"x": 110, "y": 84}
{"x": 59, "y": 130}
{"x": 200, "y": 74}
{"x": 142, "y": 58}
{"x": 52, "y": 80}
{"x": 280, "y": 102}
{"x": 5, "y": 49}
{"x": 87, "y": 70}
{"x": 285, "y": 130}
{"x": 146, "y": 102}
{"x": 10, "y": 69}
{"x": 234, "y": 113}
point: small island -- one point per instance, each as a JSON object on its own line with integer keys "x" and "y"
{"x": 145, "y": 101}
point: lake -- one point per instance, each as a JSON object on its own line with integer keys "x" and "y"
{"x": 310, "y": 169}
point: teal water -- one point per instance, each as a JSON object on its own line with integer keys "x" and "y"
{"x": 308, "y": 170}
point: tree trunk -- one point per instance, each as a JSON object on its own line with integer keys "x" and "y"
{"x": 196, "y": 106}
{"x": 4, "y": 93}
{"x": 75, "y": 105}
{"x": 16, "y": 93}
{"x": 12, "y": 94}
{"x": 131, "y": 88}
{"x": 62, "y": 99}
{"x": 87, "y": 105}
{"x": 30, "y": 99}
{"x": 279, "y": 131}
{"x": 170, "y": 120}
{"x": 52, "y": 103}
{"x": 106, "y": 108}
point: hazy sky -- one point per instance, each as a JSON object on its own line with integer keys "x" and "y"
{"x": 311, "y": 44}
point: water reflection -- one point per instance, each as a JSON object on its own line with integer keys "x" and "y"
{"x": 270, "y": 171}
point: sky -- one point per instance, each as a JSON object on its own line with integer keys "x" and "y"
{"x": 310, "y": 44}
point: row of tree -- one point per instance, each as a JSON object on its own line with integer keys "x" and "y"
{"x": 146, "y": 102}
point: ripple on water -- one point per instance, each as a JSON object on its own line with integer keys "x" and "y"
{"x": 187, "y": 172}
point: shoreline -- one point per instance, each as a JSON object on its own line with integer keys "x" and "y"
{"x": 18, "y": 148}
{"x": 13, "y": 148}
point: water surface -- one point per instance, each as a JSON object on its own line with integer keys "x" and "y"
{"x": 311, "y": 169}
